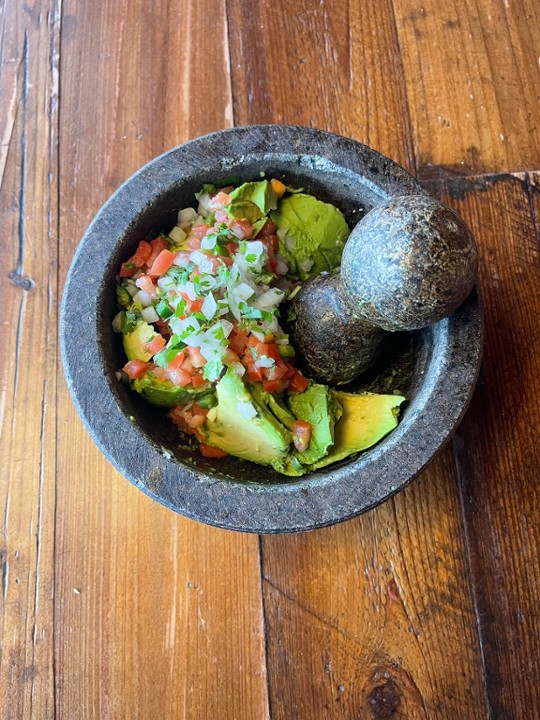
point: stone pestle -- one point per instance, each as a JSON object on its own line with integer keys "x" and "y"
{"x": 408, "y": 263}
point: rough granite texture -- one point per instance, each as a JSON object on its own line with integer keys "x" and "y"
{"x": 142, "y": 443}
{"x": 335, "y": 344}
{"x": 408, "y": 263}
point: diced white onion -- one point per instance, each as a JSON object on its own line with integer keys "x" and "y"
{"x": 209, "y": 241}
{"x": 244, "y": 291}
{"x": 238, "y": 368}
{"x": 143, "y": 298}
{"x": 227, "y": 327}
{"x": 189, "y": 289}
{"x": 269, "y": 299}
{"x": 265, "y": 362}
{"x": 166, "y": 283}
{"x": 131, "y": 288}
{"x": 204, "y": 207}
{"x": 247, "y": 410}
{"x": 177, "y": 235}
{"x": 181, "y": 260}
{"x": 282, "y": 231}
{"x": 199, "y": 220}
{"x": 307, "y": 264}
{"x": 186, "y": 217}
{"x": 209, "y": 306}
{"x": 149, "y": 315}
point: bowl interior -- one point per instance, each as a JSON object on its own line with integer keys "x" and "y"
{"x": 428, "y": 366}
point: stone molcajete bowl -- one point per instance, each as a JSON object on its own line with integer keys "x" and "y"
{"x": 436, "y": 367}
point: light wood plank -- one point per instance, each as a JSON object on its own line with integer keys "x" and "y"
{"x": 28, "y": 255}
{"x": 472, "y": 74}
{"x": 497, "y": 446}
{"x": 322, "y": 64}
{"x": 158, "y": 616}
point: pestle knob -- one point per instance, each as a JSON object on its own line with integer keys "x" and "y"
{"x": 408, "y": 263}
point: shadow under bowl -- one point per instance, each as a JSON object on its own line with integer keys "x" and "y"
{"x": 435, "y": 368}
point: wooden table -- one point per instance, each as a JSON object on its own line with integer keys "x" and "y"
{"x": 114, "y": 607}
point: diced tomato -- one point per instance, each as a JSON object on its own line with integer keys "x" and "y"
{"x": 158, "y": 244}
{"x": 162, "y": 263}
{"x": 252, "y": 341}
{"x": 301, "y": 435}
{"x": 298, "y": 383}
{"x": 179, "y": 377}
{"x": 198, "y": 410}
{"x": 279, "y": 371}
{"x": 228, "y": 261}
{"x": 267, "y": 229}
{"x": 241, "y": 228}
{"x": 272, "y": 351}
{"x": 137, "y": 260}
{"x": 195, "y": 305}
{"x": 155, "y": 345}
{"x": 278, "y": 187}
{"x": 219, "y": 200}
{"x": 199, "y": 231}
{"x": 197, "y": 358}
{"x": 135, "y": 369}
{"x": 261, "y": 349}
{"x": 255, "y": 374}
{"x": 187, "y": 365}
{"x": 209, "y": 451}
{"x": 273, "y": 386}
{"x": 237, "y": 341}
{"x": 197, "y": 380}
{"x": 162, "y": 326}
{"x": 194, "y": 243}
{"x": 143, "y": 282}
{"x": 232, "y": 247}
{"x": 178, "y": 360}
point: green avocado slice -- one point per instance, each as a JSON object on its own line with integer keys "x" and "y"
{"x": 244, "y": 427}
{"x": 134, "y": 342}
{"x": 162, "y": 392}
{"x": 318, "y": 406}
{"x": 259, "y": 193}
{"x": 313, "y": 234}
{"x": 366, "y": 419}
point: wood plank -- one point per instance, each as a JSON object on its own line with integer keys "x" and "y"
{"x": 374, "y": 618}
{"x": 157, "y": 616}
{"x": 28, "y": 255}
{"x": 362, "y": 620}
{"x": 497, "y": 446}
{"x": 474, "y": 100}
{"x": 322, "y": 65}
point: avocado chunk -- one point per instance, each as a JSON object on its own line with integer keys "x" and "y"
{"x": 275, "y": 404}
{"x": 134, "y": 341}
{"x": 366, "y": 419}
{"x": 163, "y": 393}
{"x": 313, "y": 234}
{"x": 259, "y": 193}
{"x": 244, "y": 427}
{"x": 318, "y": 406}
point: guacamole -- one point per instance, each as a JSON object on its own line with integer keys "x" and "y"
{"x": 200, "y": 314}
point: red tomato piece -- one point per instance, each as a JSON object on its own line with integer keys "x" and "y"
{"x": 241, "y": 228}
{"x": 197, "y": 358}
{"x": 298, "y": 383}
{"x": 209, "y": 451}
{"x": 254, "y": 374}
{"x": 162, "y": 263}
{"x": 135, "y": 369}
{"x": 221, "y": 216}
{"x": 155, "y": 345}
{"x": 219, "y": 200}
{"x": 199, "y": 231}
{"x": 179, "y": 377}
{"x": 143, "y": 282}
{"x": 177, "y": 360}
{"x": 197, "y": 380}
{"x": 267, "y": 229}
{"x": 301, "y": 435}
{"x": 272, "y": 386}
{"x": 158, "y": 244}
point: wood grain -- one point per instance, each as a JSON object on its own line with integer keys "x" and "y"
{"x": 112, "y": 606}
{"x": 472, "y": 76}
{"x": 497, "y": 447}
{"x": 28, "y": 208}
{"x": 157, "y": 616}
{"x": 321, "y": 64}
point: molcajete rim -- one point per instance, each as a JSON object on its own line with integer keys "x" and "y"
{"x": 252, "y": 498}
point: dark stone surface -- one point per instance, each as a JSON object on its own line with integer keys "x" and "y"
{"x": 408, "y": 263}
{"x": 141, "y": 442}
{"x": 335, "y": 344}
